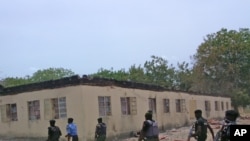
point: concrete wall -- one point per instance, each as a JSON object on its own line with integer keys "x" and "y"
{"x": 123, "y": 124}
{"x": 38, "y": 128}
{"x": 82, "y": 105}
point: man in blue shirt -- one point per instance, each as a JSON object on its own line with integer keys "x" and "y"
{"x": 71, "y": 130}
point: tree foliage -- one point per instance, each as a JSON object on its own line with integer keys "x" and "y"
{"x": 158, "y": 72}
{"x": 111, "y": 74}
{"x": 183, "y": 77}
{"x": 222, "y": 63}
{"x": 136, "y": 74}
{"x": 14, "y": 81}
{"x": 51, "y": 74}
{"x": 155, "y": 71}
{"x": 39, "y": 76}
{"x": 240, "y": 97}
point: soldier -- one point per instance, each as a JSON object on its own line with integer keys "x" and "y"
{"x": 201, "y": 126}
{"x": 149, "y": 131}
{"x": 230, "y": 119}
{"x": 100, "y": 131}
{"x": 54, "y": 132}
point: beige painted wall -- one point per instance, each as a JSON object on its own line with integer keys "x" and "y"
{"x": 118, "y": 123}
{"x": 82, "y": 105}
{"x": 38, "y": 128}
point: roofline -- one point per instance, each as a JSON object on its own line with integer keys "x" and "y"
{"x": 84, "y": 80}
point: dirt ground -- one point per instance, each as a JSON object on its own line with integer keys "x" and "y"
{"x": 181, "y": 134}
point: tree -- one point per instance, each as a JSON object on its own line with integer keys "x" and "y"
{"x": 14, "y": 81}
{"x": 222, "y": 62}
{"x": 120, "y": 75}
{"x": 104, "y": 73}
{"x": 136, "y": 74}
{"x": 155, "y": 71}
{"x": 51, "y": 74}
{"x": 240, "y": 97}
{"x": 40, "y": 75}
{"x": 158, "y": 72}
{"x": 183, "y": 77}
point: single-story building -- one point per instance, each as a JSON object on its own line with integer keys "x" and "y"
{"x": 26, "y": 110}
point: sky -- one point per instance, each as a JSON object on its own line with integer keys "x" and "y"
{"x": 86, "y": 35}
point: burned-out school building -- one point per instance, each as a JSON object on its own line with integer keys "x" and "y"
{"x": 27, "y": 109}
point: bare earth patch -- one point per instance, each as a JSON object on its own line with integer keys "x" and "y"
{"x": 181, "y": 134}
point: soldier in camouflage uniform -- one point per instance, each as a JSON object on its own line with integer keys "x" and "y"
{"x": 54, "y": 132}
{"x": 230, "y": 119}
{"x": 100, "y": 131}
